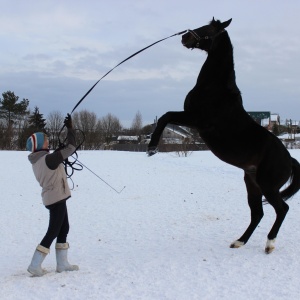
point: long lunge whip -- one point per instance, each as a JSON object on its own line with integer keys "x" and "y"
{"x": 67, "y": 163}
{"x": 129, "y": 57}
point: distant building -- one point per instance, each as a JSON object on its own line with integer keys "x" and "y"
{"x": 128, "y": 139}
{"x": 176, "y": 134}
{"x": 274, "y": 120}
{"x": 261, "y": 117}
{"x": 265, "y": 118}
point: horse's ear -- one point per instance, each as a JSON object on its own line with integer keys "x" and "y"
{"x": 226, "y": 23}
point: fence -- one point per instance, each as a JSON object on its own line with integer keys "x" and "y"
{"x": 162, "y": 148}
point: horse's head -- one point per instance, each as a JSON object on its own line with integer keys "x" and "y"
{"x": 203, "y": 37}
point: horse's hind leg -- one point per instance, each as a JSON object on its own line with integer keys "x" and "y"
{"x": 281, "y": 209}
{"x": 255, "y": 204}
{"x": 178, "y": 118}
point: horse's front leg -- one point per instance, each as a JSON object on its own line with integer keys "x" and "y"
{"x": 178, "y": 118}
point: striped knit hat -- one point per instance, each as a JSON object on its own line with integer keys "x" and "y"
{"x": 35, "y": 142}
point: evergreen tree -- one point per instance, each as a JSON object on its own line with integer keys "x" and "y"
{"x": 36, "y": 121}
{"x": 12, "y": 116}
{"x": 10, "y": 110}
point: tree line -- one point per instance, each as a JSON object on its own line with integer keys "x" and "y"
{"x": 18, "y": 122}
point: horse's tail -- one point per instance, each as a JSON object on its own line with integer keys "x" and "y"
{"x": 294, "y": 186}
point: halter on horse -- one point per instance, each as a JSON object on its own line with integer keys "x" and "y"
{"x": 214, "y": 107}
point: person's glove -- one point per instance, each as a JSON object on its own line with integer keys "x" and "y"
{"x": 68, "y": 121}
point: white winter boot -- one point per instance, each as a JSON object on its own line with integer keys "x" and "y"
{"x": 35, "y": 267}
{"x": 61, "y": 250}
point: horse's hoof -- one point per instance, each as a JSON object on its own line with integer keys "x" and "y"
{"x": 270, "y": 246}
{"x": 152, "y": 150}
{"x": 237, "y": 244}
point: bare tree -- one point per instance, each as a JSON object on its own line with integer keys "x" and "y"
{"x": 137, "y": 124}
{"x": 87, "y": 122}
{"x": 54, "y": 125}
{"x": 110, "y": 125}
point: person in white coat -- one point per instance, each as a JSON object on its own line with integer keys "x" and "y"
{"x": 50, "y": 173}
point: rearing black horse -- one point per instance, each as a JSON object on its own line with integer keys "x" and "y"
{"x": 214, "y": 107}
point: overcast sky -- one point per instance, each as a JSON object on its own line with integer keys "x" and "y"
{"x": 52, "y": 52}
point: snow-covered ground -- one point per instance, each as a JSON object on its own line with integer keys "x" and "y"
{"x": 165, "y": 236}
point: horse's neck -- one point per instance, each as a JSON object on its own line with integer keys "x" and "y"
{"x": 219, "y": 65}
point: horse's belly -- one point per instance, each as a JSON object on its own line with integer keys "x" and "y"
{"x": 235, "y": 151}
{"x": 245, "y": 147}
